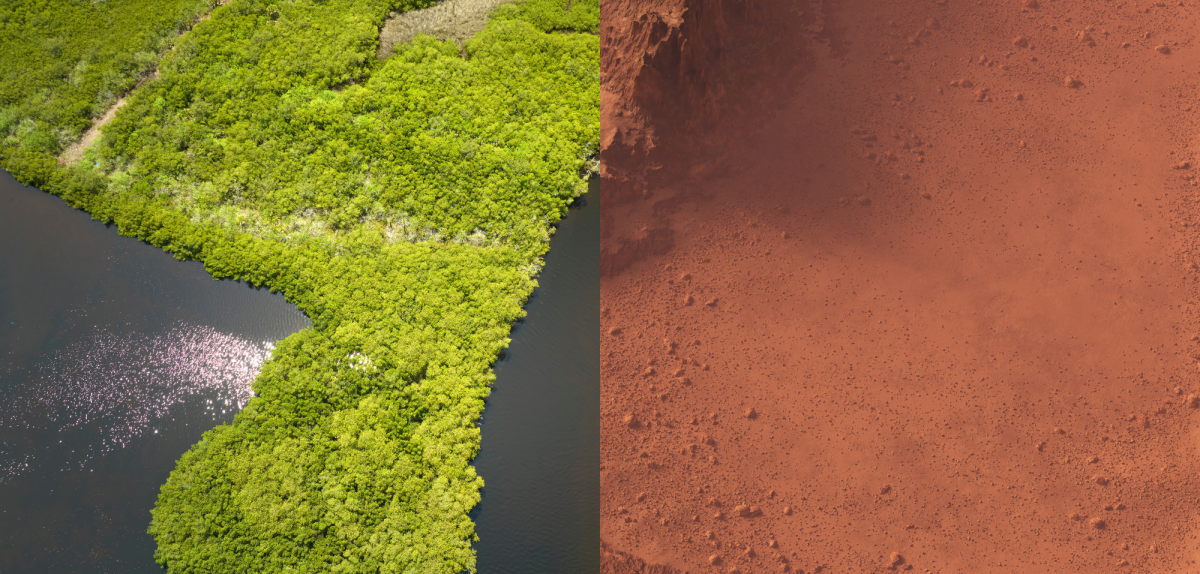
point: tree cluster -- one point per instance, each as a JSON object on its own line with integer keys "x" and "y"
{"x": 403, "y": 205}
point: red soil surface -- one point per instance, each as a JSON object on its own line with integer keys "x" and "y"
{"x": 920, "y": 295}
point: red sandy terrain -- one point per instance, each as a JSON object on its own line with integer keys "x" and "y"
{"x": 917, "y": 292}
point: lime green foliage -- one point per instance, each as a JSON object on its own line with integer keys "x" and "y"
{"x": 64, "y": 62}
{"x": 489, "y": 147}
{"x": 553, "y": 15}
{"x": 403, "y": 205}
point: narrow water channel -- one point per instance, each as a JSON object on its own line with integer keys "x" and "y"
{"x": 539, "y": 455}
{"x": 115, "y": 358}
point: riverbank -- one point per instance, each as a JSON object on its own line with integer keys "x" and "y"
{"x": 357, "y": 447}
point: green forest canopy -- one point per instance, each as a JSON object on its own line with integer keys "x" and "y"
{"x": 403, "y": 204}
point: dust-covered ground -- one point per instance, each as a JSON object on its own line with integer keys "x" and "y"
{"x": 919, "y": 296}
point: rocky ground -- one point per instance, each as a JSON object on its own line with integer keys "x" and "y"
{"x": 900, "y": 286}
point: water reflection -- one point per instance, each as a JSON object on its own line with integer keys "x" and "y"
{"x": 115, "y": 386}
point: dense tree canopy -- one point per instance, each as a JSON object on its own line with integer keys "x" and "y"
{"x": 402, "y": 204}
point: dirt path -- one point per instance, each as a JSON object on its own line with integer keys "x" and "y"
{"x": 965, "y": 320}
{"x": 74, "y": 152}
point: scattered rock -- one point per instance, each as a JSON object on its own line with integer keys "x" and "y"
{"x": 749, "y": 553}
{"x": 1125, "y": 44}
{"x": 714, "y": 559}
{"x": 631, "y": 421}
{"x": 1184, "y": 165}
{"x": 966, "y": 83}
{"x": 1019, "y": 97}
{"x": 1076, "y": 516}
{"x": 719, "y": 515}
{"x": 689, "y": 300}
{"x": 1162, "y": 49}
{"x": 747, "y": 511}
{"x": 1093, "y": 459}
{"x": 981, "y": 95}
{"x": 649, "y": 371}
{"x": 1071, "y": 82}
{"x": 1122, "y": 562}
{"x": 1192, "y": 401}
{"x": 933, "y": 24}
{"x": 1100, "y": 479}
{"x": 1086, "y": 38}
{"x": 863, "y": 200}
{"x": 751, "y": 413}
{"x": 614, "y": 331}
{"x": 1098, "y": 523}
{"x": 783, "y": 235}
{"x": 895, "y": 559}
{"x": 652, "y": 465}
{"x": 1058, "y": 430}
{"x": 708, "y": 535}
{"x": 787, "y": 511}
{"x": 1021, "y": 42}
{"x": 641, "y": 497}
{"x": 710, "y": 303}
{"x": 1041, "y": 446}
{"x": 1030, "y": 4}
{"x": 927, "y": 195}
{"x": 885, "y": 489}
{"x": 772, "y": 544}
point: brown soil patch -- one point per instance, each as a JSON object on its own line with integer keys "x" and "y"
{"x": 990, "y": 365}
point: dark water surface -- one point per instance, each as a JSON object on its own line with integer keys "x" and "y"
{"x": 540, "y": 451}
{"x": 114, "y": 358}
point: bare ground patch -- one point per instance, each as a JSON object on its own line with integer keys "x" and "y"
{"x": 456, "y": 20}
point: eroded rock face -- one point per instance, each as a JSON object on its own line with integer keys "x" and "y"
{"x": 915, "y": 278}
{"x": 677, "y": 78}
{"x": 682, "y": 81}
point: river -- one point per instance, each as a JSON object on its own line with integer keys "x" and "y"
{"x": 115, "y": 357}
